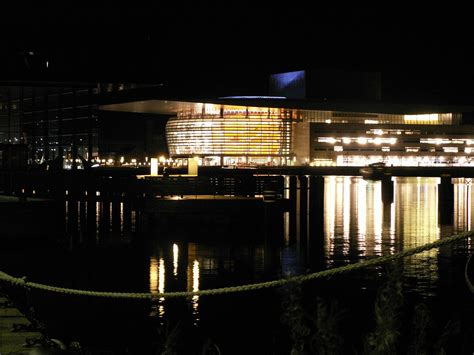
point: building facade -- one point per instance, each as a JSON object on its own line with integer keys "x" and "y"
{"x": 298, "y": 125}
{"x": 224, "y": 135}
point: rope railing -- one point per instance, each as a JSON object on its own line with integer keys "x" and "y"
{"x": 22, "y": 282}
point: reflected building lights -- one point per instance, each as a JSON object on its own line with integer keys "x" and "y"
{"x": 161, "y": 287}
{"x": 346, "y": 216}
{"x": 417, "y": 221}
{"x": 392, "y": 220}
{"x": 354, "y": 216}
{"x": 377, "y": 218}
{"x": 195, "y": 298}
{"x": 157, "y": 286}
{"x": 362, "y": 215}
{"x": 175, "y": 260}
{"x": 121, "y": 216}
{"x": 97, "y": 216}
{"x": 329, "y": 212}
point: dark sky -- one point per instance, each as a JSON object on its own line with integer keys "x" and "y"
{"x": 420, "y": 51}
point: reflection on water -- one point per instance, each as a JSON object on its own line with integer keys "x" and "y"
{"x": 99, "y": 218}
{"x": 175, "y": 260}
{"x": 193, "y": 278}
{"x": 357, "y": 225}
{"x": 195, "y": 298}
{"x": 416, "y": 220}
{"x": 157, "y": 286}
{"x": 353, "y": 220}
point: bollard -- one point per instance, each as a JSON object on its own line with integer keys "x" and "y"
{"x": 446, "y": 200}
{"x": 316, "y": 221}
{"x": 387, "y": 189}
{"x": 302, "y": 229}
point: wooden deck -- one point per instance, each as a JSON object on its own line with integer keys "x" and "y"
{"x": 12, "y": 338}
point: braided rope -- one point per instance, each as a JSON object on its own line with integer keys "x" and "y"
{"x": 469, "y": 284}
{"x": 242, "y": 288}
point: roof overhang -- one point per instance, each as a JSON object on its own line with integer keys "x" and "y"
{"x": 171, "y": 107}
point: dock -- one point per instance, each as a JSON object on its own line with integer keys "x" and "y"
{"x": 16, "y": 333}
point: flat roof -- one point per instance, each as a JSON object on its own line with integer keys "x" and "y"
{"x": 171, "y": 106}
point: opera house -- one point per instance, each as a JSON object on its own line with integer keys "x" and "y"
{"x": 307, "y": 118}
{"x": 337, "y": 121}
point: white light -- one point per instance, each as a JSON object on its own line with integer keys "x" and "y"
{"x": 450, "y": 149}
{"x": 175, "y": 259}
{"x": 362, "y": 140}
{"x": 154, "y": 167}
{"x": 254, "y": 97}
{"x": 346, "y": 140}
{"x": 329, "y": 140}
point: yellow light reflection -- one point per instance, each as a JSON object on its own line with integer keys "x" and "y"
{"x": 329, "y": 215}
{"x": 362, "y": 215}
{"x": 175, "y": 259}
{"x": 346, "y": 213}
{"x": 154, "y": 276}
{"x": 377, "y": 218}
{"x": 195, "y": 298}
{"x": 417, "y": 219}
{"x": 157, "y": 286}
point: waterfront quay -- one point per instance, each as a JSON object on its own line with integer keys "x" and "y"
{"x": 120, "y": 193}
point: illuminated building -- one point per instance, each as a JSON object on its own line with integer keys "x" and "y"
{"x": 233, "y": 132}
{"x": 299, "y": 124}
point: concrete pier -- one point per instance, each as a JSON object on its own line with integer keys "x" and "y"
{"x": 15, "y": 329}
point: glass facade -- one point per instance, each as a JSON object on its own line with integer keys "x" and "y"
{"x": 398, "y": 145}
{"x": 231, "y": 131}
{"x": 51, "y": 121}
{"x": 316, "y": 137}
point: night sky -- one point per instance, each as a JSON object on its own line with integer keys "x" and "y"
{"x": 423, "y": 53}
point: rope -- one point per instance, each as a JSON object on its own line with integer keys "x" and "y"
{"x": 243, "y": 288}
{"x": 469, "y": 284}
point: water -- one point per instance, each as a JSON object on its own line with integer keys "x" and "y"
{"x": 357, "y": 225}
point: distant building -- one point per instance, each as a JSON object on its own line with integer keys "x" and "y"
{"x": 63, "y": 120}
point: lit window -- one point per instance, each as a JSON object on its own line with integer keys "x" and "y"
{"x": 450, "y": 149}
{"x": 338, "y": 148}
{"x": 327, "y": 140}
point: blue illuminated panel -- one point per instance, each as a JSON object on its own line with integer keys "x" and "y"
{"x": 290, "y": 84}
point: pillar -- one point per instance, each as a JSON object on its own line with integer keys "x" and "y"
{"x": 446, "y": 200}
